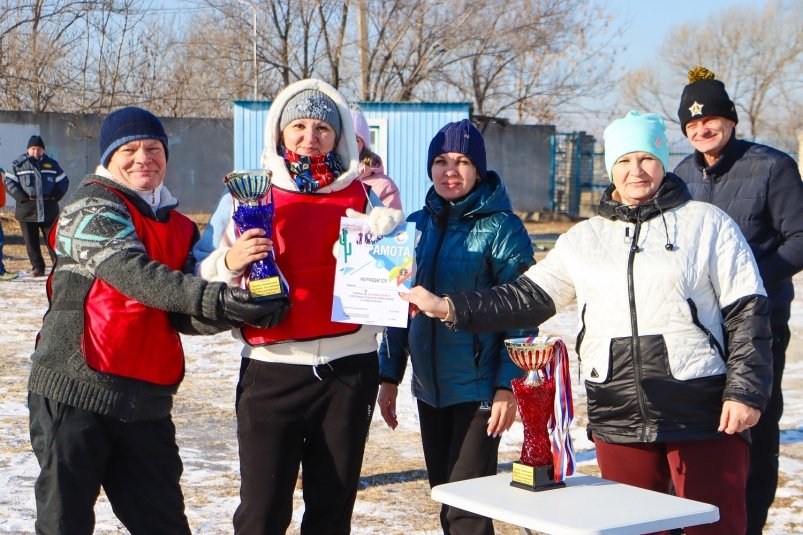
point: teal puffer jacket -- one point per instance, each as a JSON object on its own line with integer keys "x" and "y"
{"x": 473, "y": 243}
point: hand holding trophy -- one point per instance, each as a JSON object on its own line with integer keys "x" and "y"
{"x": 545, "y": 403}
{"x": 251, "y": 188}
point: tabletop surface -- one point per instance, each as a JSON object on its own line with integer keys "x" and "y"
{"x": 586, "y": 505}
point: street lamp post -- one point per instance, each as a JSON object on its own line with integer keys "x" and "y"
{"x": 254, "y": 9}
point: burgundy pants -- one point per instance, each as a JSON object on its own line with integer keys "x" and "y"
{"x": 709, "y": 471}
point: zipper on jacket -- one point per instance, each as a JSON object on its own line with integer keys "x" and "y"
{"x": 710, "y": 181}
{"x": 712, "y": 341}
{"x": 579, "y": 342}
{"x": 635, "y": 346}
{"x": 433, "y": 356}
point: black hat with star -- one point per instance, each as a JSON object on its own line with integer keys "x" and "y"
{"x": 704, "y": 97}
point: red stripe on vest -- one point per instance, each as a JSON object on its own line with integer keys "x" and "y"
{"x": 125, "y": 337}
{"x": 305, "y": 229}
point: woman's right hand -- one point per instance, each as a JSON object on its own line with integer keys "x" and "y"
{"x": 426, "y": 302}
{"x": 387, "y": 403}
{"x": 249, "y": 247}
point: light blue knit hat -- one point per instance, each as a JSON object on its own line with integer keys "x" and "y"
{"x": 635, "y": 132}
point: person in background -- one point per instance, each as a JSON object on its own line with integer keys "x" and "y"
{"x": 108, "y": 359}
{"x": 674, "y": 341}
{"x": 372, "y": 169}
{"x": 4, "y": 274}
{"x": 761, "y": 189}
{"x": 307, "y": 386}
{"x": 470, "y": 239}
{"x": 37, "y": 183}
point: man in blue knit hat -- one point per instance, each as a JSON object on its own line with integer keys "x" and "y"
{"x": 37, "y": 183}
{"x": 108, "y": 359}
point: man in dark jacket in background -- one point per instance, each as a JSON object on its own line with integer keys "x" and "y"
{"x": 760, "y": 188}
{"x": 37, "y": 183}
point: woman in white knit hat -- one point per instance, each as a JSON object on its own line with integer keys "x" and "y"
{"x": 674, "y": 338}
{"x": 307, "y": 386}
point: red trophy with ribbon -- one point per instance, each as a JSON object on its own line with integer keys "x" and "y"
{"x": 545, "y": 404}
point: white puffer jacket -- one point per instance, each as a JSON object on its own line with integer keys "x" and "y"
{"x": 673, "y": 316}
{"x": 709, "y": 265}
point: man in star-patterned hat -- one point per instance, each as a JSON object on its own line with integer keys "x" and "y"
{"x": 760, "y": 188}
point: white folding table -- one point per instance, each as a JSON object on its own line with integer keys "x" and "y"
{"x": 586, "y": 505}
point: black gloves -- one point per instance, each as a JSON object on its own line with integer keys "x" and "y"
{"x": 237, "y": 306}
{"x": 275, "y": 312}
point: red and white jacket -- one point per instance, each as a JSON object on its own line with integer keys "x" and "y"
{"x": 303, "y": 250}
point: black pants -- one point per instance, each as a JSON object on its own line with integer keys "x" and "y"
{"x": 136, "y": 463}
{"x": 457, "y": 447}
{"x": 762, "y": 480}
{"x": 316, "y": 416}
{"x": 30, "y": 233}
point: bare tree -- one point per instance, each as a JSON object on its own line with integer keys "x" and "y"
{"x": 521, "y": 58}
{"x": 411, "y": 41}
{"x": 334, "y": 18}
{"x": 757, "y": 53}
{"x": 531, "y": 57}
{"x": 36, "y": 38}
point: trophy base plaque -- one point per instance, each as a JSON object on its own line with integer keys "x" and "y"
{"x": 534, "y": 478}
{"x": 267, "y": 289}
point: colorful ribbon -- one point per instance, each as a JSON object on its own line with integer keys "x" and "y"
{"x": 563, "y": 459}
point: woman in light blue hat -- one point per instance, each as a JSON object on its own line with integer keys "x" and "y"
{"x": 673, "y": 335}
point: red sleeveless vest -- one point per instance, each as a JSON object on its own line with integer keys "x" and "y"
{"x": 305, "y": 228}
{"x": 124, "y": 337}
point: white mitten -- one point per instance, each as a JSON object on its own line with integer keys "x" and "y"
{"x": 382, "y": 221}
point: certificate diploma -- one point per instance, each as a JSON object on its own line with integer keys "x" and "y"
{"x": 371, "y": 271}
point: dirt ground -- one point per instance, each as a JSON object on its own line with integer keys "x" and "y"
{"x": 387, "y": 476}
{"x": 393, "y": 477}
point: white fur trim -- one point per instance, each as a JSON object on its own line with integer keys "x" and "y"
{"x": 346, "y": 145}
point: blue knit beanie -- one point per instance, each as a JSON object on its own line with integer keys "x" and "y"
{"x": 35, "y": 141}
{"x": 635, "y": 132}
{"x": 462, "y": 137}
{"x": 126, "y": 125}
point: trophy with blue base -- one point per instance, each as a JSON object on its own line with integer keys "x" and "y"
{"x": 544, "y": 397}
{"x": 251, "y": 189}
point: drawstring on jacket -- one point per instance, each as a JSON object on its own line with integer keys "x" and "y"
{"x": 669, "y": 245}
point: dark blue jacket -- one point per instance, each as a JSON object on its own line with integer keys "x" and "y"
{"x": 473, "y": 243}
{"x": 37, "y": 186}
{"x": 760, "y": 188}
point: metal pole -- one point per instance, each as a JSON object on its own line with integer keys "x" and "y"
{"x": 254, "y": 23}
{"x": 362, "y": 27}
{"x": 256, "y": 72}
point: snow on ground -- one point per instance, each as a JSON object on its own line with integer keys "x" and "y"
{"x": 204, "y": 419}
